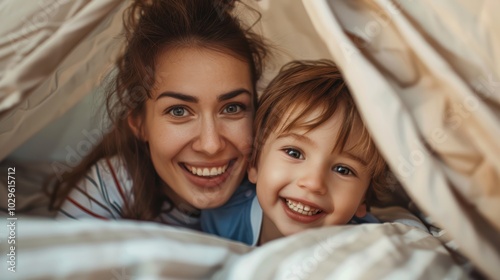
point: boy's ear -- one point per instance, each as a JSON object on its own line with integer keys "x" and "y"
{"x": 361, "y": 211}
{"x": 135, "y": 124}
{"x": 252, "y": 174}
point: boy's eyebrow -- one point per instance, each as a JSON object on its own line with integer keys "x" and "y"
{"x": 297, "y": 137}
{"x": 355, "y": 157}
{"x": 193, "y": 99}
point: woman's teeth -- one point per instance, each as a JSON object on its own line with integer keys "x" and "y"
{"x": 207, "y": 171}
{"x": 301, "y": 208}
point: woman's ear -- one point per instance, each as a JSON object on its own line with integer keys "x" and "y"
{"x": 252, "y": 174}
{"x": 135, "y": 124}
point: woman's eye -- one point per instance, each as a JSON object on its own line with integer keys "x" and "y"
{"x": 343, "y": 170}
{"x": 178, "y": 112}
{"x": 294, "y": 153}
{"x": 233, "y": 109}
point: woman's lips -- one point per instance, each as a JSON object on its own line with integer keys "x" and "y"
{"x": 206, "y": 179}
{"x": 207, "y": 171}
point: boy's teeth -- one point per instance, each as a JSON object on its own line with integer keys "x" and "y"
{"x": 301, "y": 208}
{"x": 207, "y": 171}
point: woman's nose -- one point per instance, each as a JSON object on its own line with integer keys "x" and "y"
{"x": 210, "y": 140}
{"x": 313, "y": 179}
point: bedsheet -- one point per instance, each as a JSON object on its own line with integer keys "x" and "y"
{"x": 89, "y": 249}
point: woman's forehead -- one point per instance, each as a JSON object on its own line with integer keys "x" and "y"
{"x": 200, "y": 71}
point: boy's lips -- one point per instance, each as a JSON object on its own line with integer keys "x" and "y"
{"x": 302, "y": 208}
{"x": 302, "y": 211}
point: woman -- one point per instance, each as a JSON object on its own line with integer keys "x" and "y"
{"x": 181, "y": 108}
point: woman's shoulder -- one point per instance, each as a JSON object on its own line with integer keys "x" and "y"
{"x": 109, "y": 176}
{"x": 112, "y": 166}
{"x": 101, "y": 193}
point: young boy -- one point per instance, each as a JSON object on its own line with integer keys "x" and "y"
{"x": 313, "y": 162}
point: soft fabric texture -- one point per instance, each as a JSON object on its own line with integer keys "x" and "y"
{"x": 52, "y": 54}
{"x": 139, "y": 250}
{"x": 425, "y": 76}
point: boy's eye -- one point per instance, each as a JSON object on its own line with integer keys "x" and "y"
{"x": 177, "y": 111}
{"x": 233, "y": 109}
{"x": 343, "y": 170}
{"x": 294, "y": 153}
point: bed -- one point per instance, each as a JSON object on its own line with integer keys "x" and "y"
{"x": 425, "y": 75}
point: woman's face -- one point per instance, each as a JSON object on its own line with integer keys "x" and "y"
{"x": 198, "y": 125}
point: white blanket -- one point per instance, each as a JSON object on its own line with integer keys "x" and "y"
{"x": 91, "y": 249}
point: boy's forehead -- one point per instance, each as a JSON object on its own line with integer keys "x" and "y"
{"x": 298, "y": 117}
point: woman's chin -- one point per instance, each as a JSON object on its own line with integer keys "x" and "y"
{"x": 206, "y": 198}
{"x": 204, "y": 201}
{"x": 214, "y": 191}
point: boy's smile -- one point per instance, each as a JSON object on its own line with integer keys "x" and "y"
{"x": 301, "y": 212}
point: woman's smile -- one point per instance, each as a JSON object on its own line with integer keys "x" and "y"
{"x": 208, "y": 175}
{"x": 207, "y": 170}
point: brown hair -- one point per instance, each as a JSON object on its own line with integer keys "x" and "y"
{"x": 151, "y": 27}
{"x": 305, "y": 86}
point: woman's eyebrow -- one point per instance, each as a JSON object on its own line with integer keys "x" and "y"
{"x": 192, "y": 99}
{"x": 232, "y": 94}
{"x": 176, "y": 95}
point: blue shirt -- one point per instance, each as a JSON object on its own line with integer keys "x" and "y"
{"x": 239, "y": 219}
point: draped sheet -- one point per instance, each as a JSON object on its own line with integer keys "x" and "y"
{"x": 52, "y": 53}
{"x": 426, "y": 76}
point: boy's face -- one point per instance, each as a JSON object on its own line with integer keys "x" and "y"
{"x": 302, "y": 184}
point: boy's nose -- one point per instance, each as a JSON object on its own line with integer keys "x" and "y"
{"x": 314, "y": 180}
{"x": 210, "y": 140}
